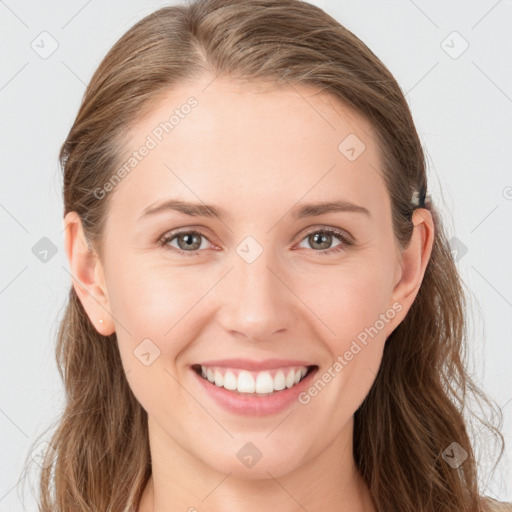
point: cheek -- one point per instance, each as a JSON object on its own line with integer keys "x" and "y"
{"x": 155, "y": 307}
{"x": 355, "y": 308}
{"x": 152, "y": 308}
{"x": 352, "y": 302}
{"x": 156, "y": 297}
{"x": 166, "y": 303}
{"x": 345, "y": 298}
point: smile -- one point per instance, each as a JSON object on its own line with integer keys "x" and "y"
{"x": 253, "y": 382}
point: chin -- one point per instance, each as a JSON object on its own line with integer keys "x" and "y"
{"x": 250, "y": 463}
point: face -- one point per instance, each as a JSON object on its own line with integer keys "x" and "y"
{"x": 268, "y": 279}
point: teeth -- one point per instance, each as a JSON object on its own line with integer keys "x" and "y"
{"x": 263, "y": 382}
{"x": 230, "y": 381}
{"x": 246, "y": 383}
{"x": 219, "y": 379}
{"x": 279, "y": 381}
{"x": 290, "y": 379}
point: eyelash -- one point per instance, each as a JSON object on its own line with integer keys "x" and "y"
{"x": 346, "y": 241}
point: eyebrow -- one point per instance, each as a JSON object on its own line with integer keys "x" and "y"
{"x": 207, "y": 210}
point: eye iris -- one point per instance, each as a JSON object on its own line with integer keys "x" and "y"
{"x": 192, "y": 241}
{"x": 325, "y": 240}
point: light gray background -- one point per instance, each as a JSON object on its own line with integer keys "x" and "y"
{"x": 462, "y": 107}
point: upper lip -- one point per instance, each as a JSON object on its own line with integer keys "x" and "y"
{"x": 252, "y": 365}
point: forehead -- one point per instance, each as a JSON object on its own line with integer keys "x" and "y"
{"x": 251, "y": 145}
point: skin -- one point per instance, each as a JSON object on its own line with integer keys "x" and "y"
{"x": 242, "y": 148}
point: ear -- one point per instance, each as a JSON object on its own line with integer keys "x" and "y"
{"x": 87, "y": 274}
{"x": 412, "y": 262}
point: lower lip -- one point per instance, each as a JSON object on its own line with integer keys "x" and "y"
{"x": 253, "y": 405}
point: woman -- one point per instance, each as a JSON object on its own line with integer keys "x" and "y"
{"x": 265, "y": 313}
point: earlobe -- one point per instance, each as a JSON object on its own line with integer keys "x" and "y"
{"x": 87, "y": 275}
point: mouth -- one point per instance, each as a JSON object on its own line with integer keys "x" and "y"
{"x": 254, "y": 383}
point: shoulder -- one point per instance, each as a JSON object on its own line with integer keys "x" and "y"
{"x": 492, "y": 505}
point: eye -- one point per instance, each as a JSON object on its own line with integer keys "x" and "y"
{"x": 322, "y": 239}
{"x": 189, "y": 242}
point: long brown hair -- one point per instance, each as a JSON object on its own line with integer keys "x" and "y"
{"x": 414, "y": 411}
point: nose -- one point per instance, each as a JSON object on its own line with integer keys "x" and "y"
{"x": 257, "y": 303}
